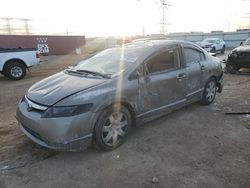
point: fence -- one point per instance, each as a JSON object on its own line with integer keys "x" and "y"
{"x": 232, "y": 39}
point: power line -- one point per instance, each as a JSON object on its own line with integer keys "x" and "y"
{"x": 26, "y": 25}
{"x": 9, "y": 28}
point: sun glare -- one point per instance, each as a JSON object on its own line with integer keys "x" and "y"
{"x": 119, "y": 80}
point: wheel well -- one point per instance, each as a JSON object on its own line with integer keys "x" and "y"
{"x": 214, "y": 78}
{"x": 131, "y": 110}
{"x": 128, "y": 106}
{"x": 14, "y": 60}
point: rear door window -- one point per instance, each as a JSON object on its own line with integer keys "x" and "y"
{"x": 193, "y": 56}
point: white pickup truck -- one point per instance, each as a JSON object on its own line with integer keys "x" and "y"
{"x": 14, "y": 62}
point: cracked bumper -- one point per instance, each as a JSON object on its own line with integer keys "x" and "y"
{"x": 64, "y": 133}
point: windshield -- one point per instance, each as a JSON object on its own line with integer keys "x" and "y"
{"x": 210, "y": 40}
{"x": 247, "y": 42}
{"x": 110, "y": 61}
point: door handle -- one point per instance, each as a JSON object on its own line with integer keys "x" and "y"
{"x": 203, "y": 67}
{"x": 181, "y": 76}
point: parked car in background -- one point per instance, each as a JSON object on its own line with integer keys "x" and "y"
{"x": 239, "y": 57}
{"x": 14, "y": 62}
{"x": 213, "y": 45}
{"x": 100, "y": 98}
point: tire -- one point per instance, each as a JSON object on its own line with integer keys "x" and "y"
{"x": 213, "y": 50}
{"x": 14, "y": 70}
{"x": 223, "y": 49}
{"x": 112, "y": 128}
{"x": 209, "y": 92}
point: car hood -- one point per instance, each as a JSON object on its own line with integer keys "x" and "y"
{"x": 243, "y": 48}
{"x": 58, "y": 86}
{"x": 206, "y": 43}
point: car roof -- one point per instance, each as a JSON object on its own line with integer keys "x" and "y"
{"x": 155, "y": 43}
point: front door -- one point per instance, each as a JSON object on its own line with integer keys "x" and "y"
{"x": 163, "y": 85}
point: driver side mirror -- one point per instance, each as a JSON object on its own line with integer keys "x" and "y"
{"x": 136, "y": 74}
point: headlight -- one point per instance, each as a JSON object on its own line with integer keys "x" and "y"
{"x": 66, "y": 111}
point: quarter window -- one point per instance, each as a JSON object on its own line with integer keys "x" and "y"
{"x": 163, "y": 61}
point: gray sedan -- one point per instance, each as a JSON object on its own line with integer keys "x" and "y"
{"x": 98, "y": 100}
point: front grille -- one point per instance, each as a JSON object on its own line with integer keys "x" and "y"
{"x": 34, "y": 106}
{"x": 33, "y": 133}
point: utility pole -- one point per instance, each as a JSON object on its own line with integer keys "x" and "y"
{"x": 164, "y": 6}
{"x": 26, "y": 25}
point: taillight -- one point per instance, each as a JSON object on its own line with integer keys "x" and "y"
{"x": 37, "y": 55}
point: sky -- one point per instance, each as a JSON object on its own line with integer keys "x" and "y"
{"x": 126, "y": 17}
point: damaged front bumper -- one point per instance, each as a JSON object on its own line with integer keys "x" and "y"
{"x": 73, "y": 145}
{"x": 64, "y": 133}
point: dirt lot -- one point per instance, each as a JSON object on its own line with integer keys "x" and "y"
{"x": 197, "y": 146}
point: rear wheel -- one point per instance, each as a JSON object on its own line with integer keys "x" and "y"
{"x": 209, "y": 92}
{"x": 112, "y": 128}
{"x": 14, "y": 70}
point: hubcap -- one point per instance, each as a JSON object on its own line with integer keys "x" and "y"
{"x": 114, "y": 128}
{"x": 210, "y": 91}
{"x": 16, "y": 71}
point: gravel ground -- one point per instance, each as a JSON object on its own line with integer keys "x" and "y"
{"x": 196, "y": 146}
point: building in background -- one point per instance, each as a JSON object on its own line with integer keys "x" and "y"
{"x": 46, "y": 44}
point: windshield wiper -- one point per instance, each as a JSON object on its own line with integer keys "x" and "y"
{"x": 73, "y": 71}
{"x": 93, "y": 73}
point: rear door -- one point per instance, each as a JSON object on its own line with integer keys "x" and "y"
{"x": 195, "y": 67}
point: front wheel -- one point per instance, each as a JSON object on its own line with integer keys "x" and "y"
{"x": 223, "y": 49}
{"x": 112, "y": 128}
{"x": 213, "y": 50}
{"x": 209, "y": 92}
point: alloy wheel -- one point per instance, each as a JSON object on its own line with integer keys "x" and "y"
{"x": 16, "y": 71}
{"x": 210, "y": 91}
{"x": 114, "y": 128}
